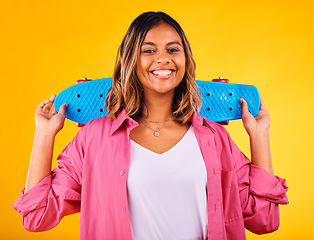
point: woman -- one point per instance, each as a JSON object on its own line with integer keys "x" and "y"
{"x": 153, "y": 168}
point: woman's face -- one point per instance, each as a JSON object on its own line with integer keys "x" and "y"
{"x": 160, "y": 66}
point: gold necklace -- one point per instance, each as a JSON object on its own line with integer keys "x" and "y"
{"x": 156, "y": 121}
{"x": 156, "y": 132}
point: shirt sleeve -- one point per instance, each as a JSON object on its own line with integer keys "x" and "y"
{"x": 57, "y": 195}
{"x": 260, "y": 194}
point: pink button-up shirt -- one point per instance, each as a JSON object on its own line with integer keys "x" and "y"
{"x": 92, "y": 173}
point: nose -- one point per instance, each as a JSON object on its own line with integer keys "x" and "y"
{"x": 162, "y": 57}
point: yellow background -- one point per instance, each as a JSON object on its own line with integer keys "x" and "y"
{"x": 46, "y": 46}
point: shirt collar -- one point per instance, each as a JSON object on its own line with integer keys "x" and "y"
{"x": 200, "y": 121}
{"x": 117, "y": 123}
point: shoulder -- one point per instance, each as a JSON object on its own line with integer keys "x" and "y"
{"x": 221, "y": 135}
{"x": 102, "y": 121}
{"x": 97, "y": 126}
{"x": 217, "y": 129}
{"x": 209, "y": 127}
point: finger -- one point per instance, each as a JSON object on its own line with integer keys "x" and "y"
{"x": 53, "y": 111}
{"x": 262, "y": 105}
{"x": 48, "y": 107}
{"x": 52, "y": 98}
{"x": 49, "y": 104}
{"x": 62, "y": 108}
{"x": 42, "y": 105}
{"x": 245, "y": 108}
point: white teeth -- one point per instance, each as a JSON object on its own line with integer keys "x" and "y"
{"x": 162, "y": 72}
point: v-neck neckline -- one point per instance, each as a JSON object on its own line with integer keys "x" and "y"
{"x": 170, "y": 149}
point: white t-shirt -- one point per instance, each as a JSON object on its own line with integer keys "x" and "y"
{"x": 167, "y": 192}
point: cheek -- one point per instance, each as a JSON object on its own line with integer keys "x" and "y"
{"x": 142, "y": 65}
{"x": 181, "y": 63}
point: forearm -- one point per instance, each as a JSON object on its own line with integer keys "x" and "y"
{"x": 260, "y": 150}
{"x": 40, "y": 163}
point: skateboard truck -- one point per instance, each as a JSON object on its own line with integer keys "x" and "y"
{"x": 222, "y": 80}
{"x": 77, "y": 82}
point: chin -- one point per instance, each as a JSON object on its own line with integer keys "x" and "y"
{"x": 164, "y": 90}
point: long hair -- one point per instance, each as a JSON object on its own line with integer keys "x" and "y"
{"x": 126, "y": 90}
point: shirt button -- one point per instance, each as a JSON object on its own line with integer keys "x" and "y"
{"x": 122, "y": 173}
{"x": 123, "y": 210}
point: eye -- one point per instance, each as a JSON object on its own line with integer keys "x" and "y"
{"x": 173, "y": 50}
{"x": 148, "y": 51}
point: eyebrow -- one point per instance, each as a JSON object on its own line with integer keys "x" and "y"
{"x": 169, "y": 43}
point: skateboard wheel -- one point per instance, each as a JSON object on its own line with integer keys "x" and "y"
{"x": 223, "y": 80}
{"x": 83, "y": 80}
{"x": 223, "y": 123}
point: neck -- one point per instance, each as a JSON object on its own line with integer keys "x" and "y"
{"x": 158, "y": 108}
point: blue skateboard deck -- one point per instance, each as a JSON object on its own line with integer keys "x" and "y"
{"x": 86, "y": 100}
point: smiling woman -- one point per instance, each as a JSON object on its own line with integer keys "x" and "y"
{"x": 153, "y": 168}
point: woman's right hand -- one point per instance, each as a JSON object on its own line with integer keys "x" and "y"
{"x": 49, "y": 120}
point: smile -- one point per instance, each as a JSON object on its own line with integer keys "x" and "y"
{"x": 162, "y": 73}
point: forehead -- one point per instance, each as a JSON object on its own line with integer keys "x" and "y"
{"x": 163, "y": 32}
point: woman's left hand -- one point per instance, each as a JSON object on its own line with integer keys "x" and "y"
{"x": 254, "y": 124}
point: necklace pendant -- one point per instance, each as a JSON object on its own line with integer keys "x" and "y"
{"x": 156, "y": 134}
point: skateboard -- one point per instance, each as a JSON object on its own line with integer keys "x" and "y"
{"x": 220, "y": 100}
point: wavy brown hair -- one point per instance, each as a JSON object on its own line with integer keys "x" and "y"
{"x": 126, "y": 90}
